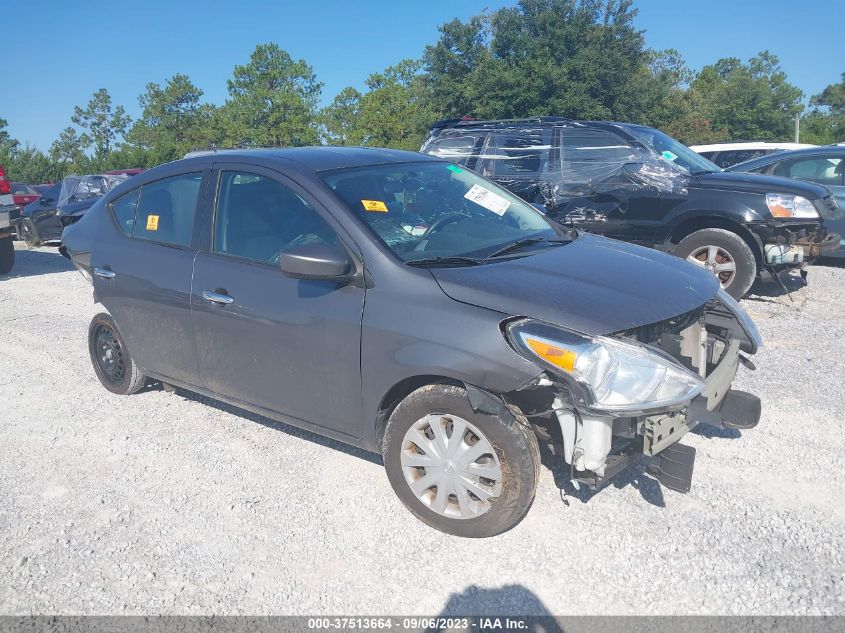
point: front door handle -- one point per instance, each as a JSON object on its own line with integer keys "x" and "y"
{"x": 105, "y": 273}
{"x": 215, "y": 297}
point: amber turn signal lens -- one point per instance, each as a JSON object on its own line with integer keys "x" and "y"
{"x": 557, "y": 356}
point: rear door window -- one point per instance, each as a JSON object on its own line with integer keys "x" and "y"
{"x": 167, "y": 209}
{"x": 825, "y": 170}
{"x": 458, "y": 149}
{"x": 519, "y": 153}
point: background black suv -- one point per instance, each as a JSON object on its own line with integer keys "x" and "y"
{"x": 637, "y": 184}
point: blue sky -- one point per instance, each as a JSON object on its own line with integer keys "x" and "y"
{"x": 57, "y": 53}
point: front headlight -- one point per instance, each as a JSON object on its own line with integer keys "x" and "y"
{"x": 782, "y": 205}
{"x": 614, "y": 375}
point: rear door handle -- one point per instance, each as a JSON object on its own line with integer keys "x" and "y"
{"x": 105, "y": 273}
{"x": 215, "y": 297}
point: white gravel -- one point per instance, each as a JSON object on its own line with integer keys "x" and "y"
{"x": 168, "y": 503}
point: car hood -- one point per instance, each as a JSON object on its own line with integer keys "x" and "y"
{"x": 593, "y": 285}
{"x": 758, "y": 183}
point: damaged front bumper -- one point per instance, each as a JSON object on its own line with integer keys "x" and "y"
{"x": 598, "y": 445}
{"x": 788, "y": 246}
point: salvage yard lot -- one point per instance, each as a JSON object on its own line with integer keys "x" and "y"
{"x": 170, "y": 503}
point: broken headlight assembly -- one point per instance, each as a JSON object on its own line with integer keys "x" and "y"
{"x": 608, "y": 374}
{"x": 783, "y": 205}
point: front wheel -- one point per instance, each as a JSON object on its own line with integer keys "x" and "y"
{"x": 7, "y": 255}
{"x": 112, "y": 362}
{"x": 464, "y": 473}
{"x": 723, "y": 253}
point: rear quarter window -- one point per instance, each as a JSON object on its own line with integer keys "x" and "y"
{"x": 125, "y": 209}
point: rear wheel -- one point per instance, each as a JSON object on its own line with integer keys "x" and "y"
{"x": 28, "y": 234}
{"x": 461, "y": 472}
{"x": 723, "y": 253}
{"x": 7, "y": 254}
{"x": 111, "y": 359}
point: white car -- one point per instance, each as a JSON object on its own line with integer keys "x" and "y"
{"x": 727, "y": 154}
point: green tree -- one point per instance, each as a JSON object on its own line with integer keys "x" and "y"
{"x": 272, "y": 101}
{"x": 832, "y": 97}
{"x": 173, "y": 119}
{"x": 69, "y": 148}
{"x": 825, "y": 123}
{"x": 574, "y": 58}
{"x": 341, "y": 118}
{"x": 103, "y": 123}
{"x": 394, "y": 111}
{"x": 747, "y": 101}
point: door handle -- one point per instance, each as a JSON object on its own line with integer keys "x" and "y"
{"x": 105, "y": 273}
{"x": 215, "y": 297}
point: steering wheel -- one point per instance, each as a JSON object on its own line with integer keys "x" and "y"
{"x": 438, "y": 224}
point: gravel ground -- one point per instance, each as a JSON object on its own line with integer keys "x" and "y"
{"x": 170, "y": 503}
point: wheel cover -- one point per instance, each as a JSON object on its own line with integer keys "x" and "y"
{"x": 109, "y": 355}
{"x": 451, "y": 466}
{"x": 717, "y": 260}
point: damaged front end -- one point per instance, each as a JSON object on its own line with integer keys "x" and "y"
{"x": 604, "y": 404}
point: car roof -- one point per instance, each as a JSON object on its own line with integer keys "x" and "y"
{"x": 762, "y": 161}
{"x": 539, "y": 121}
{"x": 317, "y": 158}
{"x": 740, "y": 145}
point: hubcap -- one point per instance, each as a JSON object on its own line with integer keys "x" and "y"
{"x": 717, "y": 260}
{"x": 450, "y": 466}
{"x": 109, "y": 355}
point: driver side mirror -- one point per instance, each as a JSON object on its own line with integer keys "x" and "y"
{"x": 315, "y": 261}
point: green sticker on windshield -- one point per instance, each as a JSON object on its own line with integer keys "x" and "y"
{"x": 669, "y": 155}
{"x": 455, "y": 169}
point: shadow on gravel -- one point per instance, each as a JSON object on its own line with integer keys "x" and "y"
{"x": 30, "y": 263}
{"x": 635, "y": 476}
{"x": 769, "y": 290}
{"x": 830, "y": 262}
{"x": 373, "y": 458}
{"x": 710, "y": 432}
{"x": 503, "y": 601}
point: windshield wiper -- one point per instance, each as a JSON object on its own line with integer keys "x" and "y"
{"x": 445, "y": 261}
{"x": 527, "y": 241}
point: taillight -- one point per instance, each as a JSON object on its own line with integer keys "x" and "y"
{"x": 5, "y": 185}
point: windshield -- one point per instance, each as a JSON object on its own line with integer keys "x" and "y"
{"x": 672, "y": 151}
{"x": 437, "y": 210}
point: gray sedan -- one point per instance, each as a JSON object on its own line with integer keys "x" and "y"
{"x": 403, "y": 304}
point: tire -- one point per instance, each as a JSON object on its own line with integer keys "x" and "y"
{"x": 515, "y": 456}
{"x": 7, "y": 255}
{"x": 111, "y": 359}
{"x": 730, "y": 249}
{"x": 27, "y": 233}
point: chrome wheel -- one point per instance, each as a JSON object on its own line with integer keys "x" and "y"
{"x": 450, "y": 466}
{"x": 717, "y": 260}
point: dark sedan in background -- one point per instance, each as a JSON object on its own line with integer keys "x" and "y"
{"x": 822, "y": 165}
{"x": 43, "y": 221}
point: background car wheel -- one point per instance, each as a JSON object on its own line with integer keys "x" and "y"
{"x": 111, "y": 359}
{"x": 461, "y": 472}
{"x": 723, "y": 253}
{"x": 7, "y": 255}
{"x": 28, "y": 234}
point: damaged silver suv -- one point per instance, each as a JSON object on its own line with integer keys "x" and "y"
{"x": 400, "y": 303}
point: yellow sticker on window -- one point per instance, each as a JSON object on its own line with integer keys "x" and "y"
{"x": 152, "y": 223}
{"x": 374, "y": 205}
